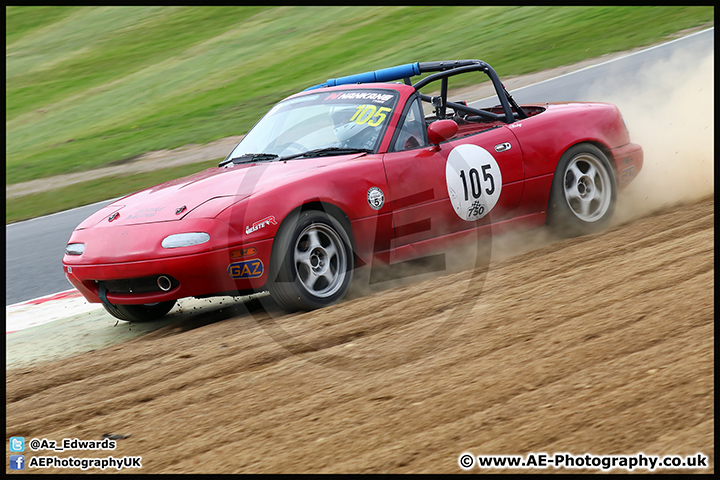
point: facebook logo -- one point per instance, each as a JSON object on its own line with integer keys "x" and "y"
{"x": 17, "y": 444}
{"x": 17, "y": 462}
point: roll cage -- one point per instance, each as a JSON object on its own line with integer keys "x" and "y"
{"x": 442, "y": 71}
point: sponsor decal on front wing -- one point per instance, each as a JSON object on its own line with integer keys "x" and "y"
{"x": 260, "y": 224}
{"x": 375, "y": 198}
{"x": 246, "y": 269}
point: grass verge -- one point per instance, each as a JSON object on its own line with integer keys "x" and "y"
{"x": 93, "y": 191}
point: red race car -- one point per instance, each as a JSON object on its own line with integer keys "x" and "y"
{"x": 357, "y": 170}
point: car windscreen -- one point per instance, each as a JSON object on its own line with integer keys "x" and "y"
{"x": 347, "y": 119}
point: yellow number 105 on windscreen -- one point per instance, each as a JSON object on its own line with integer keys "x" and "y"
{"x": 370, "y": 114}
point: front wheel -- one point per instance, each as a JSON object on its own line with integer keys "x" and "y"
{"x": 140, "y": 313}
{"x": 311, "y": 262}
{"x": 583, "y": 193}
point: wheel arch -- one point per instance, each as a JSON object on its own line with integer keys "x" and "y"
{"x": 608, "y": 154}
{"x": 334, "y": 211}
{"x": 331, "y": 209}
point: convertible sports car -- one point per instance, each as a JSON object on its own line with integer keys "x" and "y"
{"x": 360, "y": 170}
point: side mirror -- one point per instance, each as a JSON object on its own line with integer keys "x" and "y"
{"x": 441, "y": 130}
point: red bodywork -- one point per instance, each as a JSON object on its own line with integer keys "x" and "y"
{"x": 241, "y": 207}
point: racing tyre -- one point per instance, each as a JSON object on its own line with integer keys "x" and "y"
{"x": 583, "y": 192}
{"x": 140, "y": 313}
{"x": 311, "y": 264}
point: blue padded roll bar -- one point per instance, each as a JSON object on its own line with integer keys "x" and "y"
{"x": 384, "y": 75}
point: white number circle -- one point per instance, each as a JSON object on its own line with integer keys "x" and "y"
{"x": 473, "y": 181}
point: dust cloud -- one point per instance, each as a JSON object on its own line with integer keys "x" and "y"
{"x": 670, "y": 113}
{"x": 669, "y": 110}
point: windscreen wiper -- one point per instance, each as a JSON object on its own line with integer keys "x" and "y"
{"x": 248, "y": 158}
{"x": 320, "y": 152}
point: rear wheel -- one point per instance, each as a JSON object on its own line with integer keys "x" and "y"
{"x": 583, "y": 193}
{"x": 311, "y": 262}
{"x": 140, "y": 313}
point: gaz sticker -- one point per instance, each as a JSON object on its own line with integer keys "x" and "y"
{"x": 246, "y": 269}
{"x": 473, "y": 181}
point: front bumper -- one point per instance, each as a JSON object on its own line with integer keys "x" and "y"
{"x": 221, "y": 271}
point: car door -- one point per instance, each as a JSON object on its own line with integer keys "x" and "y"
{"x": 458, "y": 185}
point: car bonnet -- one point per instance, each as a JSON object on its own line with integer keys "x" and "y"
{"x": 207, "y": 192}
